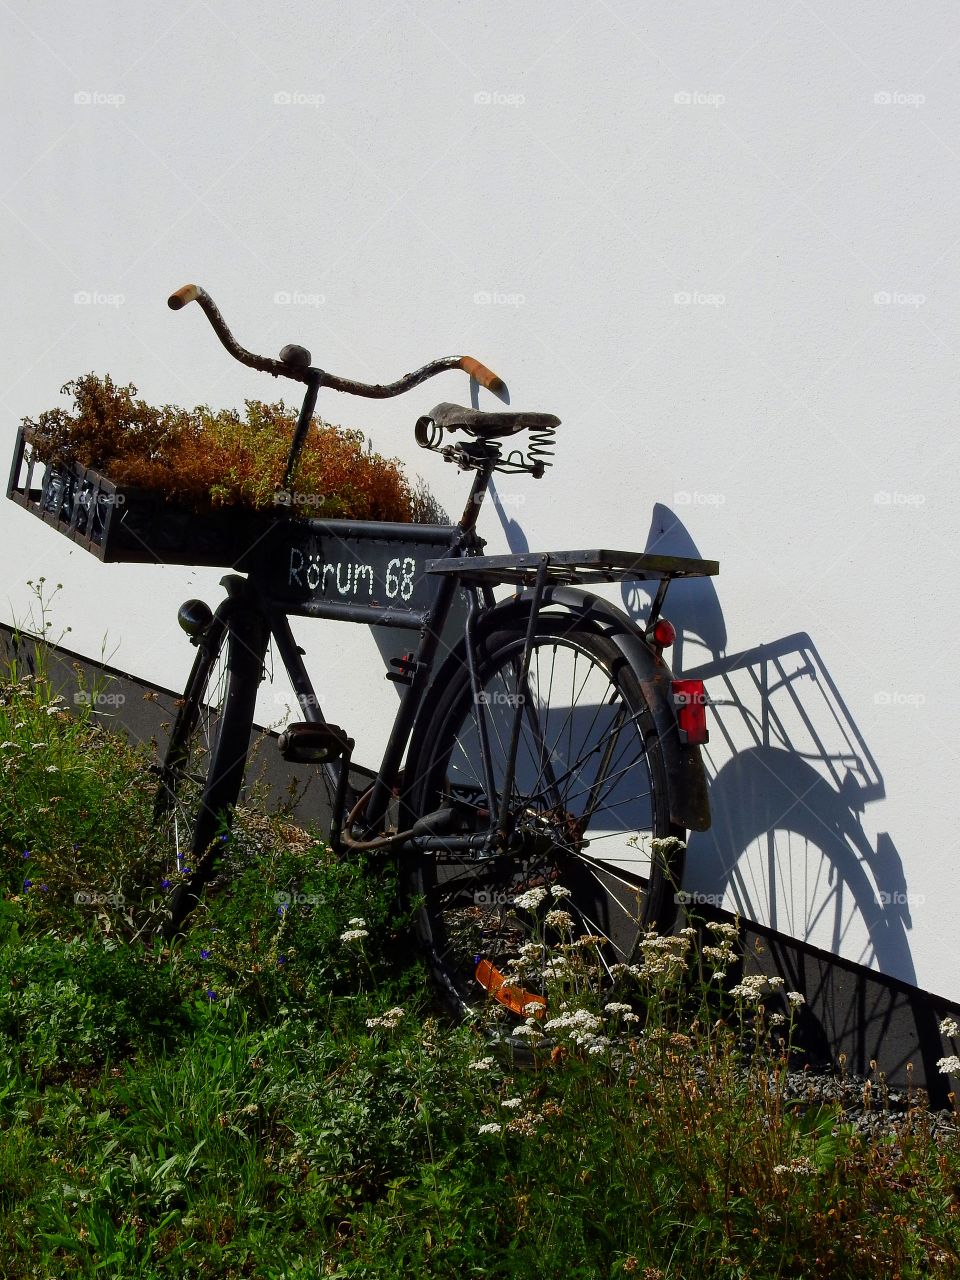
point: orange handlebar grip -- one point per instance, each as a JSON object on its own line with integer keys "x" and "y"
{"x": 188, "y": 293}
{"x": 486, "y": 377}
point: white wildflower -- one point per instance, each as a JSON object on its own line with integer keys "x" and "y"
{"x": 559, "y": 919}
{"x": 631, "y": 1017}
{"x": 51, "y": 768}
{"x": 949, "y": 1028}
{"x": 512, "y": 1103}
{"x": 599, "y": 1045}
{"x": 482, "y": 1064}
{"x": 949, "y": 1066}
{"x": 796, "y": 999}
{"x": 354, "y": 935}
{"x": 800, "y": 1165}
{"x": 490, "y": 1128}
{"x": 755, "y": 986}
{"x": 724, "y": 930}
{"x": 530, "y": 900}
{"x": 776, "y": 1020}
{"x": 721, "y": 955}
{"x": 559, "y": 891}
{"x": 615, "y": 1006}
{"x": 533, "y": 1033}
{"x": 387, "y": 1020}
{"x": 357, "y": 922}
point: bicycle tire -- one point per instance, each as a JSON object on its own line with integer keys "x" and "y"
{"x": 202, "y": 773}
{"x": 465, "y": 909}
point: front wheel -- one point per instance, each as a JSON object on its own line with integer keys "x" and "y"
{"x": 577, "y": 883}
{"x": 202, "y": 772}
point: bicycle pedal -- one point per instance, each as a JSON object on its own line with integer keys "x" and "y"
{"x": 305, "y": 743}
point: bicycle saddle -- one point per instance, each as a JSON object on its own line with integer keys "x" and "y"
{"x": 488, "y": 426}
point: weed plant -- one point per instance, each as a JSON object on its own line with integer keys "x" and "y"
{"x": 276, "y": 1095}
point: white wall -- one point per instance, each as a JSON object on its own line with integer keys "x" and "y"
{"x": 544, "y": 155}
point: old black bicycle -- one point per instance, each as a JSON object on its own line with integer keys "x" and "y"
{"x": 548, "y": 746}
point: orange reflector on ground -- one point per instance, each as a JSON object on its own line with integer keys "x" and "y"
{"x": 516, "y": 999}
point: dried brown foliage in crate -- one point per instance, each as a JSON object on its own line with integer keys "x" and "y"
{"x": 204, "y": 459}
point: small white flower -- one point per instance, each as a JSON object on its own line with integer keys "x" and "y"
{"x": 512, "y": 1103}
{"x": 559, "y": 891}
{"x": 948, "y": 1027}
{"x": 796, "y": 999}
{"x": 949, "y": 1066}
{"x": 599, "y": 1045}
{"x": 357, "y": 922}
{"x": 559, "y": 919}
{"x": 354, "y": 935}
{"x": 482, "y": 1064}
{"x": 616, "y": 1007}
{"x": 800, "y": 1165}
{"x": 724, "y": 930}
{"x": 52, "y": 768}
{"x": 530, "y": 900}
{"x": 776, "y": 1020}
{"x": 631, "y": 1017}
{"x": 534, "y": 1033}
{"x": 387, "y": 1020}
{"x": 490, "y": 1128}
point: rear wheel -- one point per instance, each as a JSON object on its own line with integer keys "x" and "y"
{"x": 203, "y": 769}
{"x": 588, "y": 797}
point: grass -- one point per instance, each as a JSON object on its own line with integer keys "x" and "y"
{"x": 269, "y": 1100}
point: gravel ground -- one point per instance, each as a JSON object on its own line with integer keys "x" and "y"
{"x": 864, "y": 1106}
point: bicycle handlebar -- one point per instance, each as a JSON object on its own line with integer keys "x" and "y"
{"x": 299, "y": 373}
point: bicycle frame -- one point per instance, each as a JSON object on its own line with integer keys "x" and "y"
{"x": 327, "y": 568}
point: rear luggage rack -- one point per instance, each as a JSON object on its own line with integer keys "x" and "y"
{"x": 573, "y": 567}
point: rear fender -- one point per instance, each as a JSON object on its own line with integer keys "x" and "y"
{"x": 686, "y": 780}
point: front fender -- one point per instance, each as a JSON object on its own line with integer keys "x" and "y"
{"x": 686, "y": 780}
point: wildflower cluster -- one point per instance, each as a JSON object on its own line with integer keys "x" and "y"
{"x": 389, "y": 1021}
{"x": 356, "y": 932}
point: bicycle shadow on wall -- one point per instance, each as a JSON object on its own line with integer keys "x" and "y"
{"x": 791, "y": 777}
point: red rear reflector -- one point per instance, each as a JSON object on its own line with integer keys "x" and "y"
{"x": 664, "y": 633}
{"x": 690, "y": 700}
{"x": 514, "y": 998}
